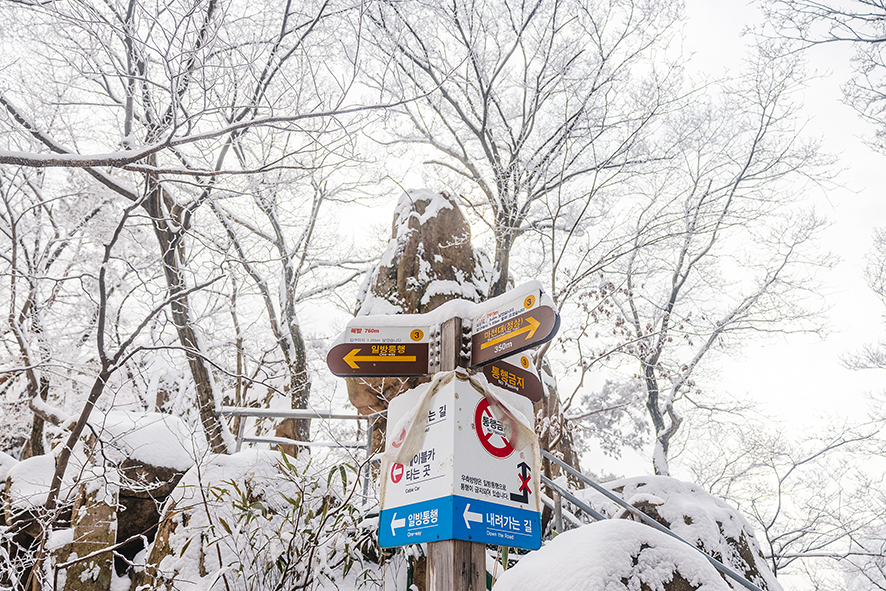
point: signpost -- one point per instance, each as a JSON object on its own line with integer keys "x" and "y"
{"x": 378, "y": 359}
{"x": 516, "y": 374}
{"x": 371, "y": 350}
{"x": 467, "y": 482}
{"x": 468, "y": 485}
{"x": 511, "y": 328}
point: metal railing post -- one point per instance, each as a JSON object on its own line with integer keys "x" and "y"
{"x": 241, "y": 432}
{"x": 558, "y": 511}
{"x": 367, "y": 469}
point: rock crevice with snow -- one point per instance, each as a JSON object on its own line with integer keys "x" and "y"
{"x": 429, "y": 260}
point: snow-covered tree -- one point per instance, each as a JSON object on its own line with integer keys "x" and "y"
{"x": 529, "y": 111}
{"x": 722, "y": 247}
{"x": 859, "y": 23}
{"x": 169, "y": 108}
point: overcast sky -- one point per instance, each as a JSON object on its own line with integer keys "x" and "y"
{"x": 798, "y": 380}
{"x": 804, "y": 368}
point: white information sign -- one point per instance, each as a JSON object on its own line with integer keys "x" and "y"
{"x": 467, "y": 482}
{"x": 359, "y": 331}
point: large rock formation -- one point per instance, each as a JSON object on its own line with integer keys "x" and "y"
{"x": 622, "y": 554}
{"x": 701, "y": 519}
{"x": 116, "y": 481}
{"x": 429, "y": 260}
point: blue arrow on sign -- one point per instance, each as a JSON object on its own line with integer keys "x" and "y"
{"x": 427, "y": 521}
{"x": 460, "y": 518}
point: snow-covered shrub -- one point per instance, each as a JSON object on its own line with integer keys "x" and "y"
{"x": 24, "y": 519}
{"x": 259, "y": 520}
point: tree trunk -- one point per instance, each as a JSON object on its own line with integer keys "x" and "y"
{"x": 34, "y": 444}
{"x": 171, "y": 249}
{"x": 503, "y": 243}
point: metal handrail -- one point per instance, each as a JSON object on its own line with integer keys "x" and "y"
{"x": 642, "y": 516}
{"x": 239, "y": 411}
{"x": 573, "y": 499}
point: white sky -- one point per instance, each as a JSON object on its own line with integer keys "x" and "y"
{"x": 796, "y": 374}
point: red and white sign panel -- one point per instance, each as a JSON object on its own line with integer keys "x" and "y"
{"x": 491, "y": 431}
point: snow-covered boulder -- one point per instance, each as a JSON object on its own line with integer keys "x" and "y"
{"x": 429, "y": 260}
{"x": 6, "y": 464}
{"x": 24, "y": 495}
{"x": 150, "y": 450}
{"x": 114, "y": 483}
{"x": 615, "y": 555}
{"x": 93, "y": 530}
{"x": 709, "y": 523}
{"x": 148, "y": 453}
{"x": 26, "y": 489}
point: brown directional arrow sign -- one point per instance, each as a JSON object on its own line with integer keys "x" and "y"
{"x": 378, "y": 359}
{"x": 526, "y": 330}
{"x": 516, "y": 374}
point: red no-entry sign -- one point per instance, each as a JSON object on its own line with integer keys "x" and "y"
{"x": 491, "y": 431}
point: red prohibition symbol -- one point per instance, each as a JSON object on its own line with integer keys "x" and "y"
{"x": 398, "y": 441}
{"x": 396, "y": 473}
{"x": 500, "y": 451}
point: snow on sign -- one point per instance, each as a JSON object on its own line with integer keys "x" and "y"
{"x": 513, "y": 322}
{"x": 408, "y": 344}
{"x": 466, "y": 482}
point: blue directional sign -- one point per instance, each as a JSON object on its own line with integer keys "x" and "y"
{"x": 427, "y": 521}
{"x": 492, "y": 523}
{"x": 460, "y": 518}
{"x": 466, "y": 481}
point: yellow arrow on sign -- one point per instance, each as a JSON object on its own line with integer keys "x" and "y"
{"x": 352, "y": 358}
{"x": 533, "y": 325}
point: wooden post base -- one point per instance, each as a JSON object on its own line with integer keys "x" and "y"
{"x": 456, "y": 565}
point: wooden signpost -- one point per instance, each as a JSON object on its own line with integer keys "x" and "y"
{"x": 473, "y": 511}
{"x": 455, "y": 564}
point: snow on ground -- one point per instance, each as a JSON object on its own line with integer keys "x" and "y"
{"x": 615, "y": 555}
